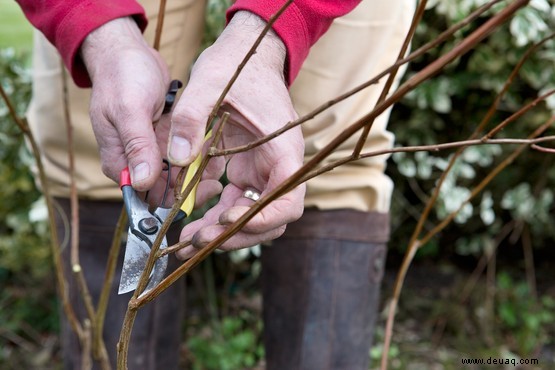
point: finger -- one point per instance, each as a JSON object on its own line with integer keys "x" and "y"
{"x": 112, "y": 155}
{"x": 162, "y": 131}
{"x": 142, "y": 152}
{"x": 216, "y": 165}
{"x": 240, "y": 240}
{"x": 137, "y": 150}
{"x": 209, "y": 185}
{"x": 186, "y": 253}
{"x": 208, "y": 219}
{"x": 280, "y": 211}
{"x": 207, "y": 189}
{"x": 126, "y": 139}
{"x": 284, "y": 209}
{"x": 188, "y": 125}
{"x": 266, "y": 225}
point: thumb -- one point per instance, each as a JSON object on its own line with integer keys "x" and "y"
{"x": 126, "y": 140}
{"x": 188, "y": 127}
{"x": 142, "y": 152}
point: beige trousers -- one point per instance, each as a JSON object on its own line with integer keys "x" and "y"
{"x": 357, "y": 47}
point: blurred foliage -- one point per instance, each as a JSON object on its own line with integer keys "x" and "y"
{"x": 27, "y": 294}
{"x": 508, "y": 321}
{"x": 15, "y": 30}
{"x": 232, "y": 344}
{"x": 450, "y": 106}
{"x": 528, "y": 324}
{"x": 223, "y": 328}
{"x": 446, "y": 108}
{"x": 214, "y": 21}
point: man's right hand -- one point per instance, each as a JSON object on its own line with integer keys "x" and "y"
{"x": 129, "y": 84}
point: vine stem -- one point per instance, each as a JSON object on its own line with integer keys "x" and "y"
{"x": 430, "y": 70}
{"x": 427, "y": 148}
{"x": 243, "y": 63}
{"x": 131, "y": 313}
{"x": 132, "y": 309}
{"x": 412, "y": 56}
{"x": 98, "y": 343}
{"x": 76, "y": 269}
{"x": 54, "y": 242}
{"x": 423, "y": 75}
{"x": 413, "y": 244}
{"x": 485, "y": 182}
{"x": 487, "y": 118}
{"x": 159, "y": 24}
{"x": 413, "y": 248}
{"x": 391, "y": 77}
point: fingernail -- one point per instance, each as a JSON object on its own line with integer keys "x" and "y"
{"x": 140, "y": 172}
{"x": 180, "y": 149}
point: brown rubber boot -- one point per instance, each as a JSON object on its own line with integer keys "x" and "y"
{"x": 320, "y": 284}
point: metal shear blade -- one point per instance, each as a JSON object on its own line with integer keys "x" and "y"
{"x": 136, "y": 257}
{"x": 144, "y": 227}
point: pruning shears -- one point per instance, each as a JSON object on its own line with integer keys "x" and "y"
{"x": 145, "y": 225}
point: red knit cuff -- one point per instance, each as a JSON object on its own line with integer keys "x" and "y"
{"x": 290, "y": 27}
{"x": 82, "y": 20}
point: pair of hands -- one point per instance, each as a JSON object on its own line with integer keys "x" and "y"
{"x": 130, "y": 81}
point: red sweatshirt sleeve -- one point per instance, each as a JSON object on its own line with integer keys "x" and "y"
{"x": 300, "y": 26}
{"x": 66, "y": 23}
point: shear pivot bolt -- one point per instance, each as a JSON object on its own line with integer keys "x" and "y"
{"x": 148, "y": 225}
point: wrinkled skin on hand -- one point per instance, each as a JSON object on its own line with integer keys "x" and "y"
{"x": 130, "y": 81}
{"x": 258, "y": 104}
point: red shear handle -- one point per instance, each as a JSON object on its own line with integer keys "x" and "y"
{"x": 124, "y": 178}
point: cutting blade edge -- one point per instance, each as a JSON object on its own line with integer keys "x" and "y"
{"x": 134, "y": 263}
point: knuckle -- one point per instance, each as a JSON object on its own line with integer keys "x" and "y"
{"x": 279, "y": 231}
{"x": 135, "y": 145}
{"x": 295, "y": 210}
{"x": 126, "y": 109}
{"x": 185, "y": 118}
{"x": 107, "y": 167}
{"x": 295, "y": 214}
{"x": 299, "y": 212}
